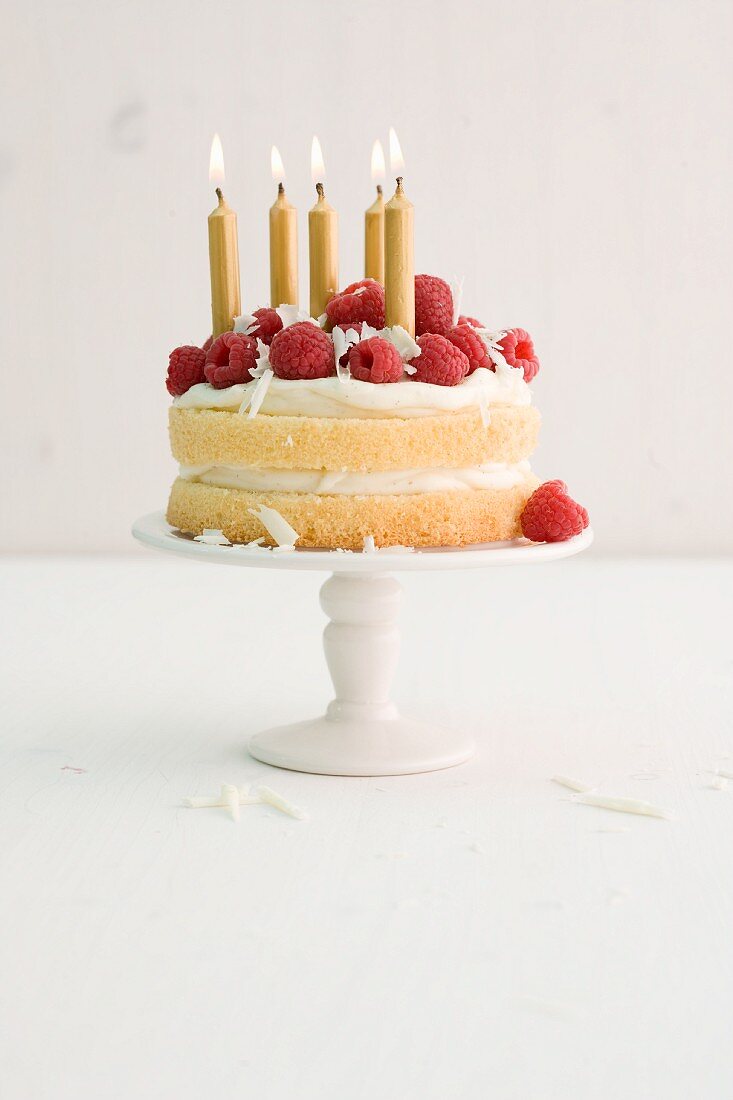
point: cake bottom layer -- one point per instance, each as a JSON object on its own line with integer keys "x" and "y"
{"x": 450, "y": 518}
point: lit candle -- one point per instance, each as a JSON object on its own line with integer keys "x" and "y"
{"x": 223, "y": 251}
{"x": 283, "y": 242}
{"x": 399, "y": 249}
{"x": 374, "y": 222}
{"x": 322, "y": 240}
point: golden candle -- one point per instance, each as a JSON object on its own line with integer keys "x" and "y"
{"x": 374, "y": 222}
{"x": 322, "y": 241}
{"x": 399, "y": 260}
{"x": 223, "y": 252}
{"x": 283, "y": 251}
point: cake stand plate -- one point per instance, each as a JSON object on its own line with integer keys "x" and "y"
{"x": 362, "y": 732}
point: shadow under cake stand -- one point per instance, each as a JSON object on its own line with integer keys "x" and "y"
{"x": 362, "y": 732}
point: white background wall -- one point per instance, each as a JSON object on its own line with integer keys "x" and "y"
{"x": 571, "y": 158}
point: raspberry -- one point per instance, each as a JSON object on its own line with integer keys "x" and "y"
{"x": 433, "y": 305}
{"x": 550, "y": 515}
{"x": 375, "y": 360}
{"x": 356, "y": 325}
{"x": 518, "y": 350}
{"x": 185, "y": 369}
{"x": 269, "y": 322}
{"x": 302, "y": 350}
{"x": 470, "y": 343}
{"x": 439, "y": 361}
{"x": 464, "y": 320}
{"x": 207, "y": 343}
{"x": 229, "y": 359}
{"x": 362, "y": 301}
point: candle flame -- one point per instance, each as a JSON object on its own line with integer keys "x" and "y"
{"x": 396, "y": 160}
{"x": 378, "y": 167}
{"x": 318, "y": 168}
{"x": 276, "y": 163}
{"x": 216, "y": 162}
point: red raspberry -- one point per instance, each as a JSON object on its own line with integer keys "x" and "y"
{"x": 550, "y": 515}
{"x": 470, "y": 343}
{"x": 375, "y": 360}
{"x": 355, "y": 304}
{"x": 302, "y": 350}
{"x": 356, "y": 325}
{"x": 229, "y": 359}
{"x": 464, "y": 320}
{"x": 185, "y": 369}
{"x": 518, "y": 350}
{"x": 439, "y": 361}
{"x": 207, "y": 343}
{"x": 269, "y": 323}
{"x": 433, "y": 305}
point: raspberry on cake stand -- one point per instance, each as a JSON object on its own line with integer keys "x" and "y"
{"x": 361, "y": 733}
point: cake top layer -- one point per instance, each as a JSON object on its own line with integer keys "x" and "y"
{"x": 346, "y": 363}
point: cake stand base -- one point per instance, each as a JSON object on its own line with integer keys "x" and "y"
{"x": 396, "y": 746}
{"x": 362, "y": 732}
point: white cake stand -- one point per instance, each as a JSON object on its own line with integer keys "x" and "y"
{"x": 362, "y": 732}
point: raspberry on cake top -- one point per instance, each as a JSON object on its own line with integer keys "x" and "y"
{"x": 351, "y": 430}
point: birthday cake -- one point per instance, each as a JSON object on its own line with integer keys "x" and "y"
{"x": 328, "y": 432}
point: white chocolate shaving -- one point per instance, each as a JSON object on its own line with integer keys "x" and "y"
{"x": 212, "y": 536}
{"x": 719, "y": 782}
{"x": 276, "y": 525}
{"x": 496, "y": 352}
{"x": 245, "y": 324}
{"x": 400, "y": 337}
{"x": 207, "y": 803}
{"x": 342, "y": 341}
{"x": 255, "y": 544}
{"x": 263, "y": 359}
{"x": 290, "y": 315}
{"x": 230, "y": 797}
{"x": 723, "y": 773}
{"x": 272, "y": 798}
{"x": 369, "y": 547}
{"x": 621, "y": 805}
{"x": 259, "y": 392}
{"x": 572, "y": 784}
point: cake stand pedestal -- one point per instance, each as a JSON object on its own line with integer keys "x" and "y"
{"x": 362, "y": 732}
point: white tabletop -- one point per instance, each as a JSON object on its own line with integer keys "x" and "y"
{"x": 467, "y": 933}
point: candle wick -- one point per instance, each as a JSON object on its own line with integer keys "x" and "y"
{"x": 399, "y": 183}
{"x": 379, "y": 189}
{"x": 319, "y": 190}
{"x": 220, "y": 195}
{"x": 280, "y": 189}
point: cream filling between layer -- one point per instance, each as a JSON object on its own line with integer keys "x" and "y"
{"x": 490, "y": 475}
{"x": 332, "y": 397}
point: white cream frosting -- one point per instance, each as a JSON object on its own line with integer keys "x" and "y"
{"x": 334, "y": 397}
{"x": 491, "y": 475}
